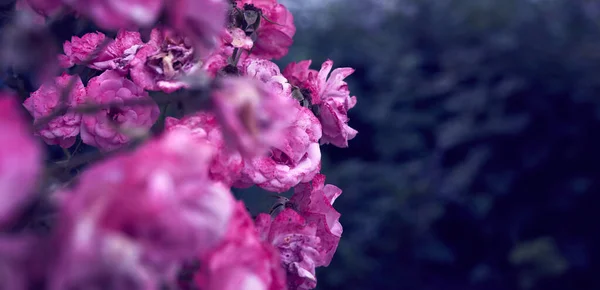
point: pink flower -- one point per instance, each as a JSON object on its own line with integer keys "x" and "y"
{"x": 105, "y": 129}
{"x": 268, "y": 73}
{"x": 62, "y": 130}
{"x": 162, "y": 62}
{"x": 274, "y": 36}
{"x": 88, "y": 257}
{"x": 17, "y": 265}
{"x": 154, "y": 207}
{"x": 116, "y": 55}
{"x": 237, "y": 38}
{"x": 297, "y": 243}
{"x": 200, "y": 20}
{"x": 116, "y": 14}
{"x": 314, "y": 202}
{"x": 296, "y": 158}
{"x": 252, "y": 116}
{"x": 20, "y": 160}
{"x": 226, "y": 165}
{"x": 330, "y": 94}
{"x": 242, "y": 260}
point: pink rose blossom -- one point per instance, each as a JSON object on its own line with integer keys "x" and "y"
{"x": 88, "y": 257}
{"x": 162, "y": 62}
{"x": 296, "y": 158}
{"x": 226, "y": 165}
{"x": 297, "y": 243}
{"x": 152, "y": 208}
{"x": 104, "y": 129}
{"x": 242, "y": 260}
{"x": 117, "y": 14}
{"x": 237, "y": 38}
{"x": 274, "y": 36}
{"x": 267, "y": 72}
{"x": 330, "y": 93}
{"x": 62, "y": 130}
{"x": 115, "y": 56}
{"x": 200, "y": 20}
{"x": 314, "y": 202}
{"x": 20, "y": 160}
{"x": 252, "y": 116}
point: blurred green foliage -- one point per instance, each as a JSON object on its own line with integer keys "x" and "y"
{"x": 476, "y": 165}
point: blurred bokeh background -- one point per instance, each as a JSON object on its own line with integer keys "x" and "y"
{"x": 477, "y": 163}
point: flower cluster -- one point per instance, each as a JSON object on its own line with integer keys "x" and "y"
{"x": 174, "y": 114}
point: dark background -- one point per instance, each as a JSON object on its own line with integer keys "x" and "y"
{"x": 476, "y": 166}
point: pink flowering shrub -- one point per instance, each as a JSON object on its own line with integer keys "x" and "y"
{"x": 156, "y": 124}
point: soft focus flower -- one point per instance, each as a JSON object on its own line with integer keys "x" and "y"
{"x": 106, "y": 128}
{"x": 17, "y": 267}
{"x": 297, "y": 243}
{"x": 227, "y": 164}
{"x": 155, "y": 207}
{"x": 275, "y": 33}
{"x": 314, "y": 202}
{"x": 28, "y": 47}
{"x": 330, "y": 94}
{"x": 115, "y": 56}
{"x": 296, "y": 158}
{"x": 242, "y": 260}
{"x": 117, "y": 14}
{"x": 162, "y": 62}
{"x": 62, "y": 130}
{"x": 87, "y": 257}
{"x": 200, "y": 20}
{"x": 20, "y": 160}
{"x": 252, "y": 116}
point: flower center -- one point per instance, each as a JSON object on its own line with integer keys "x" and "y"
{"x": 281, "y": 158}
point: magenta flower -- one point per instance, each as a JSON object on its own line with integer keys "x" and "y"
{"x": 88, "y": 257}
{"x": 20, "y": 160}
{"x": 117, "y": 14}
{"x": 274, "y": 36}
{"x": 106, "y": 128}
{"x": 227, "y": 164}
{"x": 237, "y": 38}
{"x": 154, "y": 207}
{"x": 252, "y": 116}
{"x": 115, "y": 56}
{"x": 268, "y": 73}
{"x": 18, "y": 260}
{"x": 200, "y": 20}
{"x": 242, "y": 260}
{"x": 162, "y": 62}
{"x": 314, "y": 202}
{"x": 62, "y": 130}
{"x": 330, "y": 94}
{"x": 297, "y": 243}
{"x": 296, "y": 158}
